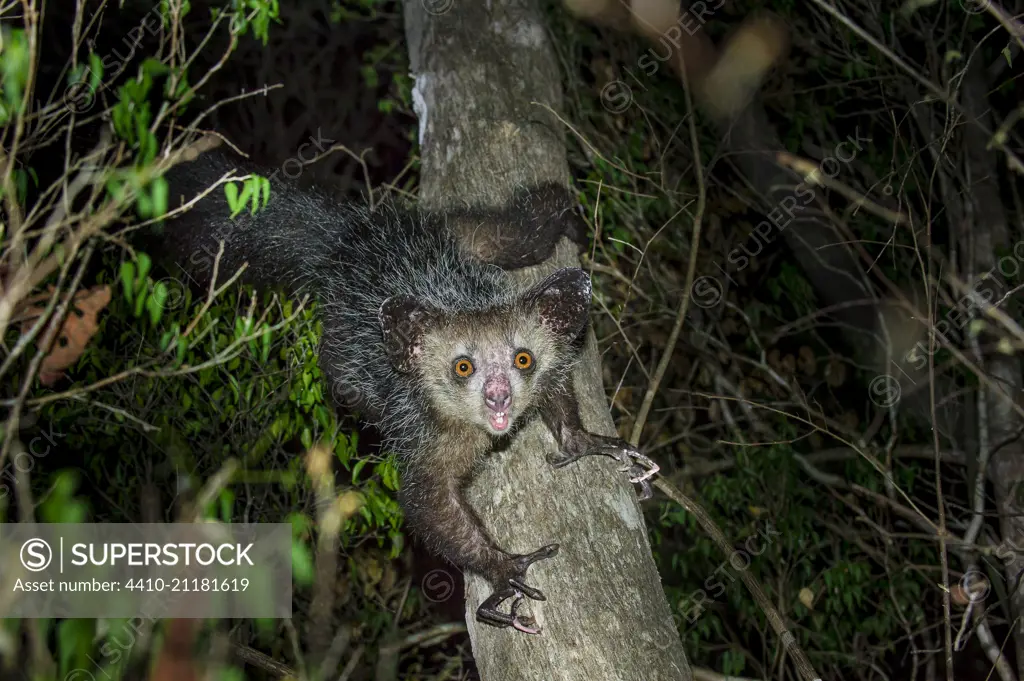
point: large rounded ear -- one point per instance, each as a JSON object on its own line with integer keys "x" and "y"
{"x": 404, "y": 320}
{"x": 562, "y": 301}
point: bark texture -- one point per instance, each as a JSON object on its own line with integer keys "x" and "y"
{"x": 485, "y": 74}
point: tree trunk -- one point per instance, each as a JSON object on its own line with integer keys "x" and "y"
{"x": 485, "y": 73}
{"x": 987, "y": 228}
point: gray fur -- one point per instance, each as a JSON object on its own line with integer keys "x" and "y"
{"x": 402, "y": 295}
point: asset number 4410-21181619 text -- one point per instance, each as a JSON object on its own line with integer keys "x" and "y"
{"x": 205, "y": 584}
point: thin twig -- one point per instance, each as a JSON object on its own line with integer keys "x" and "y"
{"x": 677, "y": 327}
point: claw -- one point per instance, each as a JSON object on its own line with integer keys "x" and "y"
{"x": 488, "y": 612}
{"x": 515, "y": 587}
{"x": 639, "y": 467}
{"x": 633, "y": 462}
{"x": 645, "y": 491}
{"x": 524, "y": 589}
{"x": 524, "y": 624}
{"x": 519, "y": 626}
{"x": 653, "y": 469}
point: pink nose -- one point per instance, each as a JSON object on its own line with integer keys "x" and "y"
{"x": 497, "y": 399}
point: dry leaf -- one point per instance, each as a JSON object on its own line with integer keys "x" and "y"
{"x": 342, "y": 589}
{"x": 806, "y": 597}
{"x": 789, "y": 365}
{"x": 807, "y": 362}
{"x": 388, "y": 581}
{"x": 835, "y": 372}
{"x": 80, "y": 325}
{"x": 959, "y": 595}
{"x": 730, "y": 205}
{"x": 176, "y": 661}
{"x": 973, "y": 587}
{"x": 372, "y": 572}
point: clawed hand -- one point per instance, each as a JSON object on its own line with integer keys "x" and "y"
{"x": 512, "y": 584}
{"x": 640, "y": 468}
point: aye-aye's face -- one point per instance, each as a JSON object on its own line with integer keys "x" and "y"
{"x": 487, "y": 368}
{"x": 487, "y": 372}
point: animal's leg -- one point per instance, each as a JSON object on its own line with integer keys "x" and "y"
{"x": 437, "y": 511}
{"x": 525, "y": 231}
{"x": 560, "y": 413}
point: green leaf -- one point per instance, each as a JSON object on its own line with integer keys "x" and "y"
{"x": 227, "y": 502}
{"x": 154, "y": 67}
{"x": 388, "y": 474}
{"x": 266, "y": 192}
{"x": 231, "y": 192}
{"x": 161, "y": 192}
{"x": 247, "y": 191}
{"x": 74, "y": 641}
{"x": 140, "y": 303}
{"x": 230, "y": 674}
{"x": 322, "y": 416}
{"x": 302, "y": 563}
{"x": 144, "y": 266}
{"x": 95, "y": 71}
{"x": 144, "y": 205}
{"x": 155, "y": 304}
{"x": 358, "y": 467}
{"x": 182, "y": 346}
{"x": 265, "y": 339}
{"x": 128, "y": 280}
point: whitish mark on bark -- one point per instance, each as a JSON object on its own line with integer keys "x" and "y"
{"x": 524, "y": 33}
{"x": 453, "y": 146}
{"x": 626, "y": 509}
{"x": 419, "y": 102}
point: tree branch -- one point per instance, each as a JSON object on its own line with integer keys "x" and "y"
{"x": 486, "y": 87}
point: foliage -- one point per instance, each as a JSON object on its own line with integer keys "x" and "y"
{"x": 762, "y": 416}
{"x": 176, "y": 383}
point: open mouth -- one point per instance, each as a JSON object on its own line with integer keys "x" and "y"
{"x": 499, "y": 420}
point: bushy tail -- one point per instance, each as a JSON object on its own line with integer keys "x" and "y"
{"x": 286, "y": 244}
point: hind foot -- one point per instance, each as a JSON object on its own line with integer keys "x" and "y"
{"x": 511, "y": 583}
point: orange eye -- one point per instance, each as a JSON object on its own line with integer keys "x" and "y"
{"x": 463, "y": 368}
{"x": 523, "y": 360}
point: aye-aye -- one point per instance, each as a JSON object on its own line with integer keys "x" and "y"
{"x": 425, "y": 334}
